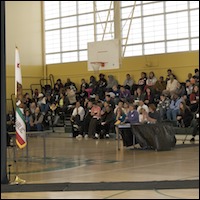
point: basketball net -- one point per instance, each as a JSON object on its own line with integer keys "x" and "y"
{"x": 96, "y": 66}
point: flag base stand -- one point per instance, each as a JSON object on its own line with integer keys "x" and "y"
{"x": 18, "y": 181}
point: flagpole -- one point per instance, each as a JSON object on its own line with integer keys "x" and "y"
{"x": 17, "y": 180}
{"x": 20, "y": 127}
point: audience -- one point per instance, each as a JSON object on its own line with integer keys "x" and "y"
{"x": 150, "y": 98}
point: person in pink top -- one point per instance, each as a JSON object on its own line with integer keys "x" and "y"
{"x": 95, "y": 120}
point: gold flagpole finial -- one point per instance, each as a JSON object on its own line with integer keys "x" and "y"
{"x": 18, "y": 181}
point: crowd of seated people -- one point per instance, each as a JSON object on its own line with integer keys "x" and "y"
{"x": 102, "y": 99}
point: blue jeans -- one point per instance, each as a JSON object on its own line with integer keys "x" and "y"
{"x": 172, "y": 114}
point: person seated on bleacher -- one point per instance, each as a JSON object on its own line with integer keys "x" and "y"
{"x": 185, "y": 116}
{"x": 142, "y": 80}
{"x": 138, "y": 95}
{"x": 153, "y": 116}
{"x": 83, "y": 84}
{"x": 125, "y": 94}
{"x": 58, "y": 85}
{"x": 141, "y": 104}
{"x": 92, "y": 86}
{"x": 70, "y": 99}
{"x": 76, "y": 119}
{"x": 107, "y": 120}
{"x": 82, "y": 95}
{"x": 95, "y": 120}
{"x": 120, "y": 104}
{"x": 174, "y": 107}
{"x": 196, "y": 76}
{"x": 55, "y": 92}
{"x": 181, "y": 90}
{"x": 41, "y": 102}
{"x": 110, "y": 101}
{"x": 172, "y": 85}
{"x": 10, "y": 121}
{"x": 120, "y": 117}
{"x": 110, "y": 83}
{"x": 189, "y": 88}
{"x": 101, "y": 86}
{"x": 128, "y": 82}
{"x": 163, "y": 106}
{"x": 159, "y": 86}
{"x": 62, "y": 102}
{"x": 151, "y": 80}
{"x": 116, "y": 92}
{"x": 35, "y": 94}
{"x": 126, "y": 107}
{"x": 27, "y": 117}
{"x": 49, "y": 101}
{"x": 86, "y": 121}
{"x": 149, "y": 96}
{"x": 27, "y": 100}
{"x": 169, "y": 73}
{"x": 36, "y": 121}
{"x": 133, "y": 115}
{"x": 33, "y": 107}
{"x": 194, "y": 99}
{"x": 71, "y": 85}
{"x": 142, "y": 116}
{"x": 131, "y": 118}
{"x": 52, "y": 115}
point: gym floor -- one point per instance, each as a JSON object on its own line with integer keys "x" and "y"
{"x": 99, "y": 162}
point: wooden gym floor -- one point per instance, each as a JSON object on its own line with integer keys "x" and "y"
{"x": 70, "y": 160}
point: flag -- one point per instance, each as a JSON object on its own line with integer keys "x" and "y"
{"x": 20, "y": 125}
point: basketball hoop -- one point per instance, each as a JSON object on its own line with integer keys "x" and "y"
{"x": 96, "y": 66}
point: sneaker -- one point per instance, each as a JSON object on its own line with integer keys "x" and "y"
{"x": 96, "y": 136}
{"x": 107, "y": 136}
{"x": 79, "y": 136}
{"x": 192, "y": 140}
{"x": 86, "y": 136}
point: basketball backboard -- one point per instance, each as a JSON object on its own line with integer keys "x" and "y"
{"x": 106, "y": 52}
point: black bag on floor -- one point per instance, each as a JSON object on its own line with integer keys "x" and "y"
{"x": 160, "y": 137}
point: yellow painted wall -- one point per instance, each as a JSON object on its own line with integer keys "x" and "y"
{"x": 23, "y": 24}
{"x": 181, "y": 64}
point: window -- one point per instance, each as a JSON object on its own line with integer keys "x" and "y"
{"x": 156, "y": 27}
